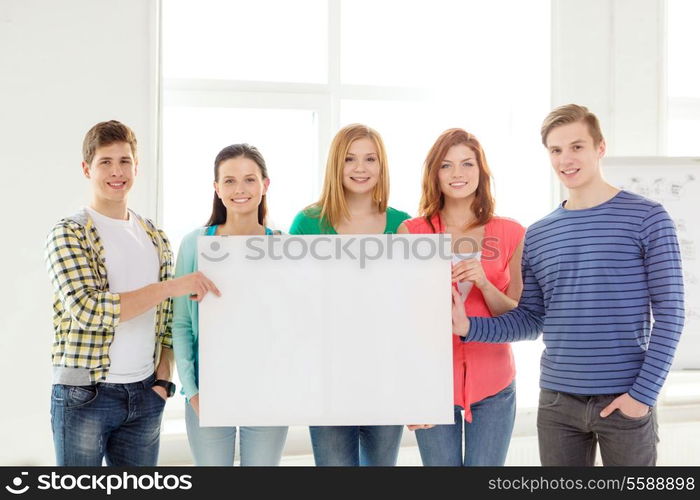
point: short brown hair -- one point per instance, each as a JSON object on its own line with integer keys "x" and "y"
{"x": 433, "y": 200}
{"x": 104, "y": 134}
{"x": 570, "y": 113}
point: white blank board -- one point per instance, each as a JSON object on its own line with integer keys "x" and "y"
{"x": 675, "y": 183}
{"x": 300, "y": 340}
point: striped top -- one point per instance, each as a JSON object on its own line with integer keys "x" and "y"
{"x": 591, "y": 279}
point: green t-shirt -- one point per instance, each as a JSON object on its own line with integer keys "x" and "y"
{"x": 308, "y": 222}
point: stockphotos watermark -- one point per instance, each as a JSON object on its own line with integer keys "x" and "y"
{"x": 106, "y": 483}
{"x": 366, "y": 248}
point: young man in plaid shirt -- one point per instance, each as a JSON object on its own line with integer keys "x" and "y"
{"x": 112, "y": 271}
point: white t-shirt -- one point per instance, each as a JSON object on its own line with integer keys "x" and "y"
{"x": 132, "y": 262}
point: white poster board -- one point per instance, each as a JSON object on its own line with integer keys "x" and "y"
{"x": 675, "y": 183}
{"x": 326, "y": 330}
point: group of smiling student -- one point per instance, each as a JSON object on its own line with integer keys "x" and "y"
{"x": 586, "y": 275}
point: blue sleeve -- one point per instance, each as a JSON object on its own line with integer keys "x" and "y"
{"x": 662, "y": 262}
{"x": 184, "y": 327}
{"x": 522, "y": 323}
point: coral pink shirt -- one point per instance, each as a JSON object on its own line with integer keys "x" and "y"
{"x": 480, "y": 369}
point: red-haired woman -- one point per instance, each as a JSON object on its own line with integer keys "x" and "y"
{"x": 457, "y": 199}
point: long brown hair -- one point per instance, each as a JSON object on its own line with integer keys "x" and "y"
{"x": 432, "y": 198}
{"x": 332, "y": 204}
{"x": 218, "y": 211}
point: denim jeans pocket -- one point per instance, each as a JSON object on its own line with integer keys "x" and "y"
{"x": 76, "y": 396}
{"x": 155, "y": 394}
{"x": 549, "y": 398}
{"x": 634, "y": 419}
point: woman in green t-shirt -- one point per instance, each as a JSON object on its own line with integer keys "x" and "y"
{"x": 354, "y": 201}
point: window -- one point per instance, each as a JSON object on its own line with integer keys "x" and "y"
{"x": 683, "y": 78}
{"x": 285, "y": 137}
{"x": 285, "y": 76}
{"x": 221, "y": 40}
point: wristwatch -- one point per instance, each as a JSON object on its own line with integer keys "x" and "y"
{"x": 169, "y": 386}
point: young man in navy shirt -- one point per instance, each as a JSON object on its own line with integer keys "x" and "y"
{"x": 594, "y": 271}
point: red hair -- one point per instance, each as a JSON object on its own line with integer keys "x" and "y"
{"x": 432, "y": 199}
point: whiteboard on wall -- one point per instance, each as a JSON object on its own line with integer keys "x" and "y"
{"x": 311, "y": 334}
{"x": 675, "y": 183}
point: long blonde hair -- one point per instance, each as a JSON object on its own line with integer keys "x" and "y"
{"x": 332, "y": 204}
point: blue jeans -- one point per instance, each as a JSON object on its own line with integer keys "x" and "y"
{"x": 215, "y": 445}
{"x": 118, "y": 422}
{"x": 486, "y": 438}
{"x": 350, "y": 446}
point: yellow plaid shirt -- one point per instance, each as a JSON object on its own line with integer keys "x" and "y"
{"x": 86, "y": 313}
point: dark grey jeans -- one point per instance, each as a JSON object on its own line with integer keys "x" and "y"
{"x": 569, "y": 427}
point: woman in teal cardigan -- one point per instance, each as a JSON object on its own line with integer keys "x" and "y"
{"x": 354, "y": 201}
{"x": 240, "y": 184}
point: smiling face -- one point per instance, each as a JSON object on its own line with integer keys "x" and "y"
{"x": 240, "y": 185}
{"x": 111, "y": 173}
{"x": 574, "y": 155}
{"x": 459, "y": 172}
{"x": 361, "y": 169}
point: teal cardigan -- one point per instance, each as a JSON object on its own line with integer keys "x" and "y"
{"x": 186, "y": 315}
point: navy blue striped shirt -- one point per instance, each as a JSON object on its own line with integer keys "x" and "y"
{"x": 592, "y": 278}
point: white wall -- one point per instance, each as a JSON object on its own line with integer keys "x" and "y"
{"x": 609, "y": 55}
{"x": 64, "y": 66}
